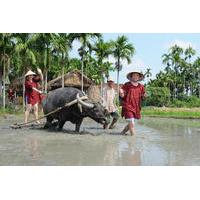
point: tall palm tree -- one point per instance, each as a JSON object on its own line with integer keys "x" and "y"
{"x": 24, "y": 49}
{"x": 122, "y": 50}
{"x": 168, "y": 60}
{"x": 86, "y": 46}
{"x": 173, "y": 59}
{"x": 63, "y": 45}
{"x": 45, "y": 43}
{"x": 148, "y": 73}
{"x": 102, "y": 51}
{"x": 189, "y": 52}
{"x": 176, "y": 53}
{"x": 6, "y": 47}
{"x": 196, "y": 65}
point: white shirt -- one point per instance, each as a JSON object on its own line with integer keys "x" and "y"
{"x": 109, "y": 99}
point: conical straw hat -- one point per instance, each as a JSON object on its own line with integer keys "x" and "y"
{"x": 30, "y": 73}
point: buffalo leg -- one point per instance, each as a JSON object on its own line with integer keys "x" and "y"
{"x": 48, "y": 123}
{"x": 60, "y": 125}
{"x": 78, "y": 125}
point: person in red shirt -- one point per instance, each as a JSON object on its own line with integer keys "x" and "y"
{"x": 11, "y": 95}
{"x": 132, "y": 94}
{"x": 32, "y": 94}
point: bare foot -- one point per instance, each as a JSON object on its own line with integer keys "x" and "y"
{"x": 124, "y": 133}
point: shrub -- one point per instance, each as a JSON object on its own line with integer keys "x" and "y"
{"x": 157, "y": 96}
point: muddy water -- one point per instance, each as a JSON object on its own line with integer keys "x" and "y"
{"x": 158, "y": 142}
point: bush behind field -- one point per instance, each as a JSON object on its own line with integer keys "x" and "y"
{"x": 188, "y": 102}
{"x": 157, "y": 96}
{"x": 160, "y": 96}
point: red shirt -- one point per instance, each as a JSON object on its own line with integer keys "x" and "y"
{"x": 32, "y": 96}
{"x": 11, "y": 94}
{"x": 131, "y": 102}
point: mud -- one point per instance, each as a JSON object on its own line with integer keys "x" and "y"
{"x": 158, "y": 142}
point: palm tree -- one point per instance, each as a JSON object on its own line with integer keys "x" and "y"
{"x": 63, "y": 45}
{"x": 173, "y": 59}
{"x": 102, "y": 51}
{"x": 148, "y": 73}
{"x": 6, "y": 44}
{"x": 44, "y": 43}
{"x": 24, "y": 49}
{"x": 86, "y": 46}
{"x": 168, "y": 60}
{"x": 196, "y": 65}
{"x": 122, "y": 50}
{"x": 176, "y": 53}
{"x": 189, "y": 52}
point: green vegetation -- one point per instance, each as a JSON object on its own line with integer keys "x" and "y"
{"x": 181, "y": 75}
{"x": 20, "y": 52}
{"x": 182, "y": 113}
{"x": 157, "y": 96}
{"x": 122, "y": 50}
{"x": 11, "y": 110}
{"x": 177, "y": 85}
{"x": 161, "y": 96}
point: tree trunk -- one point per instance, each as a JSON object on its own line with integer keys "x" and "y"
{"x": 63, "y": 77}
{"x": 198, "y": 84}
{"x": 102, "y": 81}
{"x": 46, "y": 70}
{"x": 23, "y": 90}
{"x": 101, "y": 89}
{"x": 175, "y": 86}
{"x": 118, "y": 85}
{"x": 4, "y": 79}
{"x": 82, "y": 65}
{"x": 118, "y": 63}
{"x": 63, "y": 72}
{"x": 1, "y": 81}
{"x": 24, "y": 98}
{"x": 46, "y": 81}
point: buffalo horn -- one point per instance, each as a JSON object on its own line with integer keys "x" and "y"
{"x": 87, "y": 105}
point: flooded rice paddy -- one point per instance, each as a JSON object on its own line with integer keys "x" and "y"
{"x": 158, "y": 141}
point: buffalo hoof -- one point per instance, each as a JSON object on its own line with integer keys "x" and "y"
{"x": 50, "y": 125}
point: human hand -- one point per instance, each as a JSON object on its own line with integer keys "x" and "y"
{"x": 39, "y": 70}
{"x": 121, "y": 92}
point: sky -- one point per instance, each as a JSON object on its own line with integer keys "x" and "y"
{"x": 149, "y": 49}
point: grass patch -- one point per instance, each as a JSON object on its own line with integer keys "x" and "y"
{"x": 11, "y": 110}
{"x": 181, "y": 113}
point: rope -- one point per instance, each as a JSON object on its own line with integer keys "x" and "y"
{"x": 16, "y": 125}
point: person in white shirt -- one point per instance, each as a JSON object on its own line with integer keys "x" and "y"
{"x": 109, "y": 95}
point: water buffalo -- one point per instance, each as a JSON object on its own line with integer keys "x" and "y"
{"x": 75, "y": 113}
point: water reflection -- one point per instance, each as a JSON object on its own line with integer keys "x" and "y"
{"x": 32, "y": 145}
{"x": 158, "y": 142}
{"x": 178, "y": 142}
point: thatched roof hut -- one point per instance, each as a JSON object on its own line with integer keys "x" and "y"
{"x": 71, "y": 79}
{"x": 94, "y": 93}
{"x": 17, "y": 83}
